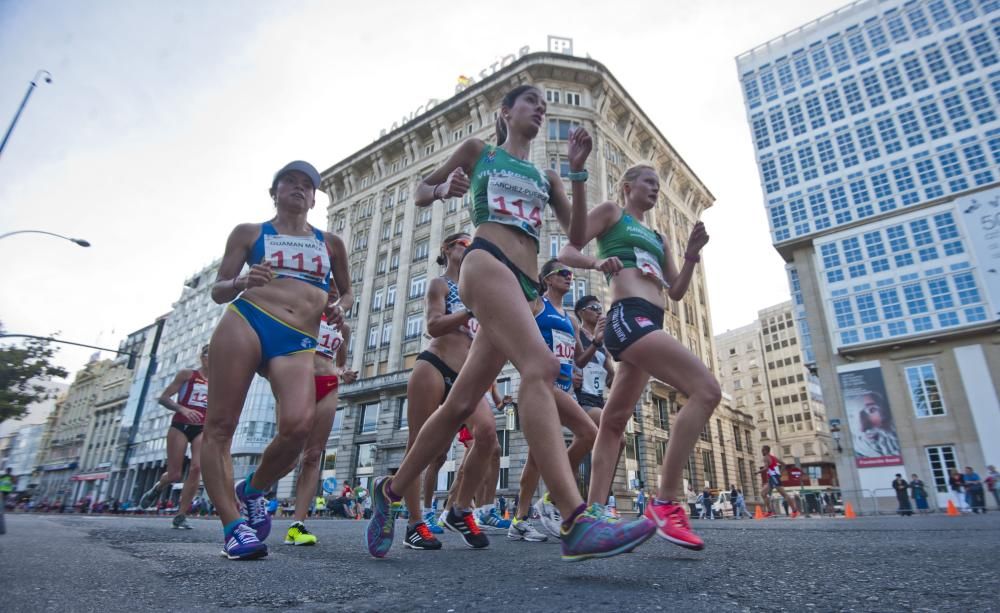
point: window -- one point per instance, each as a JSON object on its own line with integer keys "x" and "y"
{"x": 386, "y": 333}
{"x": 366, "y": 457}
{"x": 399, "y": 225}
{"x": 390, "y": 296}
{"x": 402, "y": 423}
{"x": 708, "y": 463}
{"x": 552, "y": 96}
{"x": 386, "y": 231}
{"x": 338, "y": 422}
{"x": 330, "y": 459}
{"x": 377, "y": 300}
{"x": 368, "y": 419}
{"x": 394, "y": 262}
{"x": 372, "y": 337}
{"x": 924, "y": 390}
{"x": 942, "y": 461}
{"x": 573, "y": 98}
{"x": 421, "y": 250}
{"x": 414, "y": 325}
{"x": 424, "y": 215}
{"x": 559, "y": 129}
{"x": 556, "y": 243}
{"x": 418, "y": 285}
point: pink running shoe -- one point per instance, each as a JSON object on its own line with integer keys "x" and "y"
{"x": 672, "y": 524}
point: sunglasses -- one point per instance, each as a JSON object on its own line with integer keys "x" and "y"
{"x": 565, "y": 273}
{"x": 593, "y": 307}
{"x": 458, "y": 241}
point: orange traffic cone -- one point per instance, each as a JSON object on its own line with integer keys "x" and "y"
{"x": 506, "y": 514}
{"x": 952, "y": 511}
{"x": 849, "y": 511}
{"x": 758, "y": 514}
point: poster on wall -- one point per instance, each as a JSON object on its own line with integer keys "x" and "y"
{"x": 869, "y": 416}
{"x": 980, "y": 215}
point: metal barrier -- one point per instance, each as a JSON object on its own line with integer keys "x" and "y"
{"x": 887, "y": 503}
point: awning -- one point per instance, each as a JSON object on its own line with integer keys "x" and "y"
{"x": 90, "y": 477}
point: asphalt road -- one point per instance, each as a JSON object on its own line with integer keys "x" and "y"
{"x": 82, "y": 563}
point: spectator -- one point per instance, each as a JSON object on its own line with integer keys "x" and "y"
{"x": 732, "y": 498}
{"x": 320, "y": 506}
{"x": 502, "y": 505}
{"x": 975, "y": 495}
{"x": 957, "y": 485}
{"x": 706, "y": 504}
{"x": 919, "y": 493}
{"x": 902, "y": 495}
{"x": 741, "y": 505}
{"x": 272, "y": 506}
{"x": 640, "y": 502}
{"x": 993, "y": 482}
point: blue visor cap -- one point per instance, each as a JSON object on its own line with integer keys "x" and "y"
{"x": 304, "y": 167}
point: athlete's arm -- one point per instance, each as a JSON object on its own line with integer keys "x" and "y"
{"x": 558, "y": 201}
{"x": 345, "y": 332}
{"x": 167, "y": 401}
{"x": 599, "y": 221}
{"x": 341, "y": 279}
{"x": 679, "y": 280}
{"x": 580, "y": 145}
{"x": 454, "y": 175}
{"x": 582, "y": 356}
{"x": 228, "y": 282}
{"x": 439, "y": 323}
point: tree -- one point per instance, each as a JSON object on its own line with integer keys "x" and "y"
{"x": 22, "y": 370}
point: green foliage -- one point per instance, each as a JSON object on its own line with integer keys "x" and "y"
{"x": 23, "y": 367}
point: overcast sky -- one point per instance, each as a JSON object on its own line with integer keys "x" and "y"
{"x": 166, "y": 120}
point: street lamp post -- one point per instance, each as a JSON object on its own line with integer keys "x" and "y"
{"x": 78, "y": 241}
{"x": 48, "y": 79}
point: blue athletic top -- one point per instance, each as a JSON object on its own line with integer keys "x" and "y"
{"x": 305, "y": 258}
{"x": 557, "y": 330}
{"x": 452, "y": 302}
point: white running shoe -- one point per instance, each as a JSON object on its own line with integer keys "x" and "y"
{"x": 549, "y": 516}
{"x": 522, "y": 530}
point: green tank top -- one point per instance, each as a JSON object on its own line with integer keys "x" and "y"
{"x": 508, "y": 190}
{"x": 635, "y": 245}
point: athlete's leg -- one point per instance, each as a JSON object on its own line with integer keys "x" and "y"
{"x": 176, "y": 446}
{"x": 305, "y": 485}
{"x": 293, "y": 383}
{"x": 431, "y": 479}
{"x": 580, "y": 424}
{"x": 528, "y": 484}
{"x": 630, "y": 380}
{"x": 233, "y": 361}
{"x": 669, "y": 361}
{"x": 424, "y": 391}
{"x": 193, "y": 479}
{"x": 595, "y": 414}
{"x": 479, "y": 457}
{"x": 789, "y": 499}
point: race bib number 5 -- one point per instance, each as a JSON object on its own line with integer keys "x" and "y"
{"x": 563, "y": 346}
{"x": 516, "y": 201}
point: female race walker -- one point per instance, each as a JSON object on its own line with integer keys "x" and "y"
{"x": 561, "y": 335}
{"x": 191, "y": 388}
{"x": 498, "y": 282}
{"x": 331, "y": 358}
{"x": 638, "y": 264}
{"x": 451, "y": 327}
{"x": 270, "y": 327}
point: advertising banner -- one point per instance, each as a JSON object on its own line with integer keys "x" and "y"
{"x": 869, "y": 416}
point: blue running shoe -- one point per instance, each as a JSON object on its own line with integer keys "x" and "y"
{"x": 595, "y": 534}
{"x": 243, "y": 544}
{"x": 502, "y": 523}
{"x": 254, "y": 510}
{"x": 381, "y": 528}
{"x": 493, "y": 520}
{"x": 430, "y": 518}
